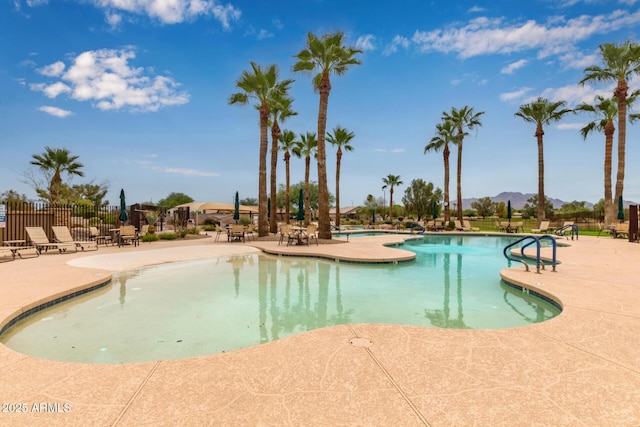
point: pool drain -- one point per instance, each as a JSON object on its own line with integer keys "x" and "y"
{"x": 361, "y": 342}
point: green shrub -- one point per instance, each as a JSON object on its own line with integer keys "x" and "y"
{"x": 150, "y": 238}
{"x": 167, "y": 236}
{"x": 209, "y": 227}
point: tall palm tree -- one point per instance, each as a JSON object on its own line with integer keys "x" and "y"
{"x": 340, "y": 138}
{"x": 287, "y": 144}
{"x": 542, "y": 112}
{"x": 391, "y": 181}
{"x": 463, "y": 119}
{"x": 280, "y": 111}
{"x": 326, "y": 55}
{"x": 54, "y": 162}
{"x": 621, "y": 63}
{"x": 307, "y": 147}
{"x": 265, "y": 88}
{"x": 445, "y": 134}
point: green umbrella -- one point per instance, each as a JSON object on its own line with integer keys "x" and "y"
{"x": 123, "y": 208}
{"x": 620, "y": 209}
{"x": 373, "y": 217}
{"x": 509, "y": 210}
{"x": 434, "y": 209}
{"x": 300, "y": 215}
{"x": 236, "y": 208}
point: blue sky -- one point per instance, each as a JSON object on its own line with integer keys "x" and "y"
{"x": 138, "y": 89}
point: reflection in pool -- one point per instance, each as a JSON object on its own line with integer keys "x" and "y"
{"x": 223, "y": 304}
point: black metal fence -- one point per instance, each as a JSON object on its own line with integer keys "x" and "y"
{"x": 19, "y": 215}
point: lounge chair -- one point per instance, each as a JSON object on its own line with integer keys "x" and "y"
{"x": 63, "y": 235}
{"x": 621, "y": 230}
{"x": 565, "y": 229}
{"x": 128, "y": 234}
{"x": 459, "y": 225}
{"x": 544, "y": 227}
{"x": 94, "y": 234}
{"x": 39, "y": 239}
{"x": 249, "y": 232}
{"x": 467, "y": 225}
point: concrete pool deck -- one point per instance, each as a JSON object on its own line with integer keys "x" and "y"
{"x": 581, "y": 368}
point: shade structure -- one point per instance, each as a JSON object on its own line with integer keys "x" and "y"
{"x": 123, "y": 217}
{"x": 620, "y": 209}
{"x": 236, "y": 208}
{"x": 509, "y": 210}
{"x": 300, "y": 214}
{"x": 434, "y": 210}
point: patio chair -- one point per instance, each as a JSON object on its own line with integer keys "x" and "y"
{"x": 39, "y": 239}
{"x": 285, "y": 232}
{"x": 621, "y": 230}
{"x": 95, "y": 234}
{"x": 63, "y": 235}
{"x": 544, "y": 226}
{"x": 128, "y": 234}
{"x": 312, "y": 233}
{"x": 458, "y": 225}
{"x": 236, "y": 233}
{"x": 467, "y": 225}
{"x": 249, "y": 232}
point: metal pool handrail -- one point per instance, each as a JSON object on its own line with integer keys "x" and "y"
{"x": 553, "y": 245}
{"x": 531, "y": 240}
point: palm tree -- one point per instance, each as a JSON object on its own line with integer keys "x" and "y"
{"x": 287, "y": 144}
{"x": 621, "y": 63}
{"x": 306, "y": 147}
{"x": 445, "y": 134}
{"x": 328, "y": 56}
{"x": 391, "y": 181}
{"x": 340, "y": 138}
{"x": 542, "y": 112}
{"x": 55, "y": 161}
{"x": 280, "y": 111}
{"x": 264, "y": 87}
{"x": 465, "y": 118}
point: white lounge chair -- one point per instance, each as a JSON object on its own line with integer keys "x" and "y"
{"x": 39, "y": 239}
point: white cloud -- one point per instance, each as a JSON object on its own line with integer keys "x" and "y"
{"x": 55, "y": 111}
{"x": 509, "y": 69}
{"x": 165, "y": 11}
{"x": 476, "y": 9}
{"x": 106, "y": 78}
{"x": 484, "y": 36}
{"x": 398, "y": 41}
{"x": 576, "y": 94}
{"x": 570, "y": 126}
{"x": 52, "y": 70}
{"x": 365, "y": 43}
{"x": 398, "y": 150}
{"x": 264, "y": 34}
{"x": 511, "y": 96}
{"x": 579, "y": 60}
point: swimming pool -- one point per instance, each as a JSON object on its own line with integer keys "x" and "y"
{"x": 223, "y": 304}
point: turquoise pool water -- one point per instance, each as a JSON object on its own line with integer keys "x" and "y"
{"x": 223, "y": 304}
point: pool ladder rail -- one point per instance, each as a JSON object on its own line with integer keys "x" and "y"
{"x": 530, "y": 240}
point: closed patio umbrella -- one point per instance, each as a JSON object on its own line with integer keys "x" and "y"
{"x": 434, "y": 210}
{"x": 620, "y": 209}
{"x": 300, "y": 214}
{"x": 509, "y": 210}
{"x": 123, "y": 217}
{"x": 236, "y": 208}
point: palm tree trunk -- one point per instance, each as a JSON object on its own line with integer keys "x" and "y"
{"x": 263, "y": 223}
{"x": 307, "y": 164}
{"x": 621, "y": 95}
{"x": 609, "y": 130}
{"x": 287, "y": 199}
{"x": 447, "y": 215}
{"x": 338, "y": 160}
{"x": 324, "y": 221}
{"x": 275, "y": 135}
{"x": 459, "y": 178}
{"x": 539, "y": 134}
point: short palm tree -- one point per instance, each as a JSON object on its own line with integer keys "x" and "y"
{"x": 280, "y": 111}
{"x": 306, "y": 148}
{"x": 327, "y": 55}
{"x": 265, "y": 88}
{"x": 542, "y": 112}
{"x": 445, "y": 135}
{"x": 287, "y": 144}
{"x": 340, "y": 138}
{"x": 463, "y": 119}
{"x": 391, "y": 181}
{"x": 54, "y": 162}
{"x": 621, "y": 63}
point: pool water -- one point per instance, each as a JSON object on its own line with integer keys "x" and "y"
{"x": 223, "y": 304}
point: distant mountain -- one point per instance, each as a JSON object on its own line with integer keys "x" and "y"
{"x": 518, "y": 200}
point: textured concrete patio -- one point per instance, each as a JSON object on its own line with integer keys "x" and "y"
{"x": 581, "y": 368}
